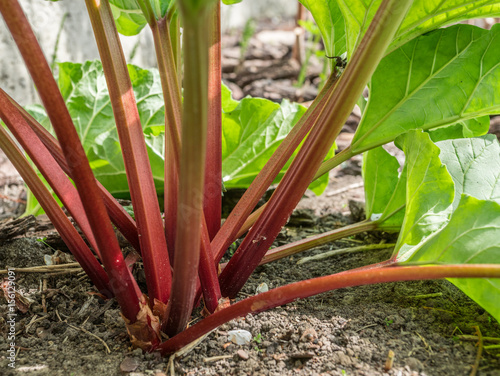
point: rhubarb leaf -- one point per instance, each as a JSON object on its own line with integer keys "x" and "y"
{"x": 380, "y": 175}
{"x": 463, "y": 129}
{"x": 472, "y": 233}
{"x": 86, "y": 95}
{"x": 472, "y": 236}
{"x": 252, "y": 128}
{"x": 474, "y": 165}
{"x": 251, "y": 132}
{"x": 330, "y": 22}
{"x": 429, "y": 192}
{"x": 436, "y": 80}
{"x": 128, "y": 16}
{"x": 423, "y": 16}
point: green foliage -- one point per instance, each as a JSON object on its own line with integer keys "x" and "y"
{"x": 247, "y": 34}
{"x": 423, "y": 16}
{"x": 435, "y": 80}
{"x": 252, "y": 128}
{"x": 471, "y": 236}
{"x": 449, "y": 193}
{"x": 330, "y": 21}
{"x": 380, "y": 174}
{"x": 429, "y": 191}
{"x": 128, "y": 15}
{"x": 453, "y": 209}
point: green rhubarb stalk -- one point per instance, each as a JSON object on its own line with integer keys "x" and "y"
{"x": 175, "y": 38}
{"x": 139, "y": 176}
{"x": 343, "y": 98}
{"x": 192, "y": 163}
{"x": 173, "y": 123}
{"x": 316, "y": 241}
{"x": 173, "y": 117}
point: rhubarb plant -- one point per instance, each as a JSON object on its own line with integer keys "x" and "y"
{"x": 430, "y": 91}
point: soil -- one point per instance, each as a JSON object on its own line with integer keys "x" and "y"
{"x": 63, "y": 327}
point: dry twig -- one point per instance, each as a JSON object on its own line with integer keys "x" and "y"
{"x": 85, "y": 331}
{"x": 475, "y": 368}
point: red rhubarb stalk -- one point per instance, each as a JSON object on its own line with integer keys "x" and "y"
{"x": 47, "y": 165}
{"x": 173, "y": 117}
{"x": 212, "y": 201}
{"x": 121, "y": 280}
{"x": 139, "y": 176}
{"x": 209, "y": 278}
{"x": 119, "y": 216}
{"x": 343, "y": 98}
{"x": 303, "y": 289}
{"x": 68, "y": 233}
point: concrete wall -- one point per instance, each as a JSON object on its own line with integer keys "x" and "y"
{"x": 77, "y": 43}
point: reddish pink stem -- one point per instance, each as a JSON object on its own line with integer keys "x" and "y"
{"x": 212, "y": 200}
{"x": 121, "y": 281}
{"x": 298, "y": 290}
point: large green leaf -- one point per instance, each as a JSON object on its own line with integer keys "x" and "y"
{"x": 439, "y": 79}
{"x": 423, "y": 16}
{"x": 91, "y": 110}
{"x": 330, "y": 22}
{"x": 385, "y": 188}
{"x": 107, "y": 163}
{"x": 474, "y": 165}
{"x": 86, "y": 95}
{"x": 472, "y": 236}
{"x": 472, "y": 168}
{"x": 429, "y": 192}
{"x": 251, "y": 132}
{"x": 472, "y": 233}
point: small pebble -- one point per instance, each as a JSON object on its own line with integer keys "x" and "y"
{"x": 242, "y": 354}
{"x": 129, "y": 364}
{"x": 309, "y": 335}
